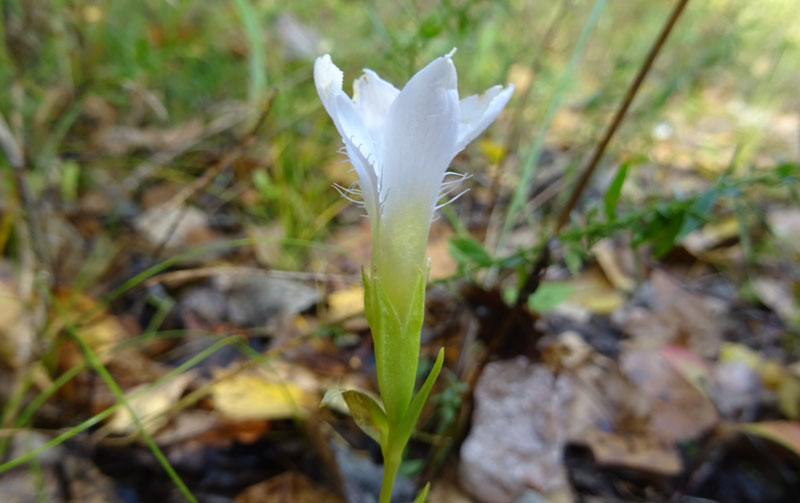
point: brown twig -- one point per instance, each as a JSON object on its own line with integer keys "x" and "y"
{"x": 533, "y": 279}
{"x": 600, "y": 149}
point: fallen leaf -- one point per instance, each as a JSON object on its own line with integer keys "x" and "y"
{"x": 778, "y": 296}
{"x": 691, "y": 366}
{"x": 345, "y": 303}
{"x": 17, "y": 334}
{"x": 640, "y": 451}
{"x": 785, "y": 225}
{"x": 678, "y": 411}
{"x": 675, "y": 316}
{"x": 288, "y": 487}
{"x": 591, "y": 291}
{"x": 254, "y": 396}
{"x": 783, "y": 381}
{"x": 150, "y": 407}
{"x": 616, "y": 264}
{"x": 173, "y": 226}
{"x": 700, "y": 241}
{"x": 785, "y": 433}
{"x": 98, "y": 329}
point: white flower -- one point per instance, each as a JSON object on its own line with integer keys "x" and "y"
{"x": 400, "y": 144}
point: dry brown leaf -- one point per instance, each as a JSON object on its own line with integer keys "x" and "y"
{"x": 778, "y": 296}
{"x": 98, "y": 329}
{"x": 785, "y": 224}
{"x": 592, "y": 292}
{"x": 174, "y": 226}
{"x": 17, "y": 335}
{"x": 678, "y": 316}
{"x": 711, "y": 235}
{"x": 616, "y": 264}
{"x": 634, "y": 451}
{"x": 678, "y": 411}
{"x": 288, "y": 487}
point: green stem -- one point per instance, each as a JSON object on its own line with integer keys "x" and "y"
{"x": 391, "y": 463}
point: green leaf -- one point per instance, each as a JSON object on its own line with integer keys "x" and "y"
{"x": 431, "y": 26}
{"x": 549, "y": 295}
{"x": 698, "y": 213}
{"x": 611, "y": 198}
{"x": 406, "y": 427}
{"x": 662, "y": 230}
{"x": 467, "y": 251}
{"x": 573, "y": 258}
{"x": 787, "y": 170}
{"x": 70, "y": 179}
{"x": 423, "y": 495}
{"x": 366, "y": 412}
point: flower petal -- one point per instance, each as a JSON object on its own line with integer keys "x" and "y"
{"x": 477, "y": 112}
{"x": 359, "y": 145}
{"x": 372, "y": 97}
{"x": 361, "y": 151}
{"x": 420, "y": 134}
{"x": 328, "y": 79}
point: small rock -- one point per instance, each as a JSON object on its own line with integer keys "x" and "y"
{"x": 518, "y": 433}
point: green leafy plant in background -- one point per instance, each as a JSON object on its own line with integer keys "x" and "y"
{"x": 400, "y": 144}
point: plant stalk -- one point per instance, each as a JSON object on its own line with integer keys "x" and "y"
{"x": 391, "y": 463}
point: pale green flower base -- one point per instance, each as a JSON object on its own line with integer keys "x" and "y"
{"x": 396, "y": 341}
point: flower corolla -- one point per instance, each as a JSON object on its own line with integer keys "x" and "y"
{"x": 401, "y": 143}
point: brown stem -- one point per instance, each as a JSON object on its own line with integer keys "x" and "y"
{"x": 600, "y": 149}
{"x": 533, "y": 279}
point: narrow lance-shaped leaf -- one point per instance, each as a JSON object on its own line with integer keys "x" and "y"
{"x": 423, "y": 495}
{"x": 611, "y": 198}
{"x": 415, "y": 409}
